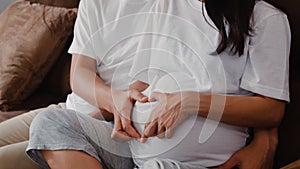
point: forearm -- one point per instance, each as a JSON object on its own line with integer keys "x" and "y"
{"x": 248, "y": 111}
{"x": 85, "y": 83}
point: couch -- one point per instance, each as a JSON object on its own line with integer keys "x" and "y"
{"x": 55, "y": 86}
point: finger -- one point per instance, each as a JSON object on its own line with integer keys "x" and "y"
{"x": 117, "y": 133}
{"x": 120, "y": 136}
{"x": 150, "y": 129}
{"x": 136, "y": 95}
{"x": 169, "y": 128}
{"x": 117, "y": 122}
{"x": 161, "y": 132}
{"x": 132, "y": 132}
{"x": 169, "y": 132}
{"x": 156, "y": 121}
{"x": 171, "y": 122}
{"x": 151, "y": 126}
{"x": 129, "y": 129}
{"x": 231, "y": 163}
{"x": 144, "y": 99}
{"x": 161, "y": 135}
{"x": 161, "y": 128}
{"x": 145, "y": 132}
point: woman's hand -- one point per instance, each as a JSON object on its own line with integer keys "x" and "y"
{"x": 170, "y": 111}
{"x": 259, "y": 154}
{"x": 123, "y": 102}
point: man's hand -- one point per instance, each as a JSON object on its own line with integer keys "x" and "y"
{"x": 259, "y": 154}
{"x": 123, "y": 103}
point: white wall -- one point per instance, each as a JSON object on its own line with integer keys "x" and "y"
{"x": 4, "y": 4}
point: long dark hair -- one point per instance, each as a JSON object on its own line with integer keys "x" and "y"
{"x": 238, "y": 14}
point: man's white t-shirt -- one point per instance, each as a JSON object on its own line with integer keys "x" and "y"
{"x": 172, "y": 41}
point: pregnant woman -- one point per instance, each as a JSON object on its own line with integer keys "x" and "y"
{"x": 205, "y": 73}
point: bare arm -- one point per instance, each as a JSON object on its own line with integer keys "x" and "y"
{"x": 85, "y": 83}
{"x": 88, "y": 85}
{"x": 249, "y": 111}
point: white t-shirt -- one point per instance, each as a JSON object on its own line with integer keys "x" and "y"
{"x": 170, "y": 39}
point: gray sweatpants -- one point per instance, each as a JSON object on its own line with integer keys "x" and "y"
{"x": 63, "y": 129}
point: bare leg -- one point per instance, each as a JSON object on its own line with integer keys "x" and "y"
{"x": 70, "y": 159}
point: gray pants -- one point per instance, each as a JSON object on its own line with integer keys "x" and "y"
{"x": 63, "y": 129}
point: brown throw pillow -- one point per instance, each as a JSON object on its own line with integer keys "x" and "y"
{"x": 59, "y": 3}
{"x": 32, "y": 37}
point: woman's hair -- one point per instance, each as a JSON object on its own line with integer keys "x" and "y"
{"x": 237, "y": 14}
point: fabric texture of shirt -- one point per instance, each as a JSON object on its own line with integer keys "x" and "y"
{"x": 149, "y": 39}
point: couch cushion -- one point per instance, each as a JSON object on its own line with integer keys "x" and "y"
{"x": 32, "y": 37}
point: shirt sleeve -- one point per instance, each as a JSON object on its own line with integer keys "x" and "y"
{"x": 82, "y": 41}
{"x": 267, "y": 67}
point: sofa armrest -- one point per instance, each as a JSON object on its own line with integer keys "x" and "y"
{"x": 7, "y": 115}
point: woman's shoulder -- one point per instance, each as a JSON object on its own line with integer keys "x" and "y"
{"x": 263, "y": 10}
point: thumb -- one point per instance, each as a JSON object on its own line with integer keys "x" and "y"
{"x": 138, "y": 96}
{"x": 117, "y": 133}
{"x": 231, "y": 163}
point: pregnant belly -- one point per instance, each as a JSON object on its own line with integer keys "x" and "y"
{"x": 184, "y": 145}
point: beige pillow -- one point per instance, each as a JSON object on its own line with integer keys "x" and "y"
{"x": 32, "y": 37}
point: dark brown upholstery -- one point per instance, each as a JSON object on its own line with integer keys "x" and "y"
{"x": 30, "y": 45}
{"x": 289, "y": 130}
{"x": 55, "y": 86}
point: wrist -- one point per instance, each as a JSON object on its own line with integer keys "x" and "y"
{"x": 195, "y": 103}
{"x": 105, "y": 99}
{"x": 266, "y": 136}
{"x": 260, "y": 136}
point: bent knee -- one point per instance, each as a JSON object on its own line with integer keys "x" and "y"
{"x": 53, "y": 117}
